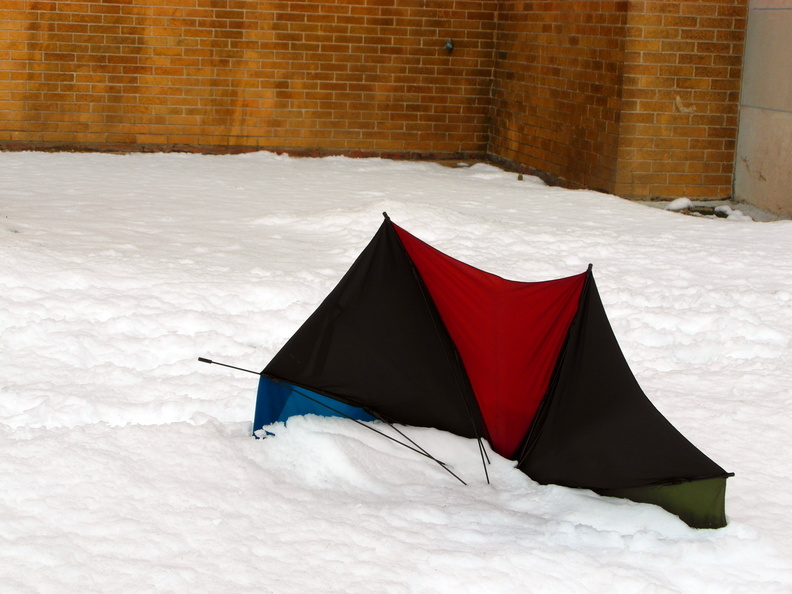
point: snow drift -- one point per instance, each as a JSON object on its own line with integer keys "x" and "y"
{"x": 126, "y": 464}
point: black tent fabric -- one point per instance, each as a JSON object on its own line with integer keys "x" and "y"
{"x": 394, "y": 338}
{"x": 377, "y": 342}
{"x": 597, "y": 429}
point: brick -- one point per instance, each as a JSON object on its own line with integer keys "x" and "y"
{"x": 697, "y": 8}
{"x": 676, "y": 171}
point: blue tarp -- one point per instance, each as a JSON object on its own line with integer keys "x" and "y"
{"x": 277, "y": 401}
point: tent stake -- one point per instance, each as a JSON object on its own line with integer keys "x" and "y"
{"x": 416, "y": 449}
{"x": 425, "y": 453}
{"x": 484, "y": 458}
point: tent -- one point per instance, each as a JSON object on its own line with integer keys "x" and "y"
{"x": 414, "y": 337}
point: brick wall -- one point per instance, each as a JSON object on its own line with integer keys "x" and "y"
{"x": 633, "y": 97}
{"x": 557, "y": 87}
{"x": 347, "y": 75}
{"x": 680, "y": 98}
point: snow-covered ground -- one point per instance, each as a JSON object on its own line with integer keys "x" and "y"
{"x": 126, "y": 465}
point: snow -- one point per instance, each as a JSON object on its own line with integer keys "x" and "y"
{"x": 731, "y": 213}
{"x": 719, "y": 210}
{"x": 679, "y": 204}
{"x": 127, "y": 465}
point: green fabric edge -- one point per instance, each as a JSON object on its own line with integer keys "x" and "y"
{"x": 699, "y": 503}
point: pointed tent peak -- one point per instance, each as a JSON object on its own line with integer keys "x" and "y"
{"x": 598, "y": 430}
{"x": 385, "y": 215}
{"x": 376, "y": 343}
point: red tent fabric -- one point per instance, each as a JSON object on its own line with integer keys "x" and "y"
{"x": 508, "y": 334}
